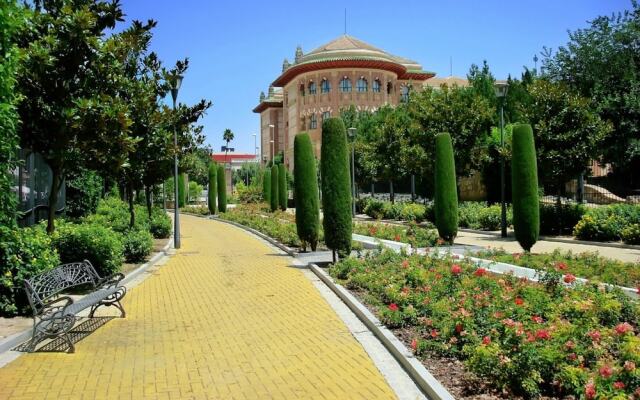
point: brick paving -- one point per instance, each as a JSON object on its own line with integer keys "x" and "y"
{"x": 225, "y": 318}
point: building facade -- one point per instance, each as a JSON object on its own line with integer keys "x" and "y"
{"x": 317, "y": 85}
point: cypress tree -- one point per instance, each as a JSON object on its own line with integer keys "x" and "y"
{"x": 524, "y": 186}
{"x": 213, "y": 187}
{"x": 222, "y": 189}
{"x": 266, "y": 186}
{"x": 446, "y": 195}
{"x": 305, "y": 191}
{"x": 182, "y": 193}
{"x": 274, "y": 188}
{"x": 336, "y": 187}
{"x": 283, "y": 195}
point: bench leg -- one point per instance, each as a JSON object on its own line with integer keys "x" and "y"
{"x": 72, "y": 348}
{"x": 116, "y": 304}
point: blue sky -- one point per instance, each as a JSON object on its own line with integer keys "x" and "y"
{"x": 236, "y": 48}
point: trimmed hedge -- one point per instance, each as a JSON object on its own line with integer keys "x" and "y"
{"x": 213, "y": 188}
{"x": 222, "y": 189}
{"x": 446, "y": 194}
{"x": 283, "y": 195}
{"x": 137, "y": 244}
{"x": 160, "y": 225}
{"x": 274, "y": 188}
{"x": 266, "y": 186}
{"x": 524, "y": 187}
{"x": 336, "y": 187}
{"x": 306, "y": 191}
{"x": 182, "y": 190}
{"x": 609, "y": 223}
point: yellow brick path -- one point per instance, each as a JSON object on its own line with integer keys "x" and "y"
{"x": 225, "y": 318}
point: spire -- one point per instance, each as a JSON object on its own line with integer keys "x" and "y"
{"x": 298, "y": 54}
{"x": 262, "y": 97}
{"x": 271, "y": 91}
{"x": 285, "y": 65}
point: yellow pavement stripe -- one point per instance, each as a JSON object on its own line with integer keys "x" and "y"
{"x": 226, "y": 317}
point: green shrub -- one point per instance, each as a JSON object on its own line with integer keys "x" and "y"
{"x": 524, "y": 186}
{"x": 336, "y": 187}
{"x": 137, "y": 245}
{"x": 213, "y": 188}
{"x": 412, "y": 212}
{"x": 446, "y": 194}
{"x": 375, "y": 208}
{"x": 248, "y": 194}
{"x": 222, "y": 189}
{"x": 97, "y": 243}
{"x": 274, "y": 188}
{"x": 607, "y": 222}
{"x": 160, "y": 225}
{"x": 631, "y": 234}
{"x": 114, "y": 213}
{"x": 306, "y": 191}
{"x": 283, "y": 195}
{"x": 182, "y": 192}
{"x": 556, "y": 220}
{"x": 266, "y": 186}
{"x": 23, "y": 253}
{"x": 469, "y": 214}
{"x": 83, "y": 192}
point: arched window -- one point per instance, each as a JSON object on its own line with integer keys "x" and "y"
{"x": 376, "y": 86}
{"x": 313, "y": 122}
{"x": 325, "y": 87}
{"x": 389, "y": 88}
{"x": 404, "y": 93}
{"x": 325, "y": 115}
{"x": 361, "y": 85}
{"x": 302, "y": 89}
{"x": 345, "y": 85}
{"x": 312, "y": 88}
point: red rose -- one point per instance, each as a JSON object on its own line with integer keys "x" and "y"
{"x": 519, "y": 301}
{"x": 509, "y": 322}
{"x": 480, "y": 272}
{"x": 606, "y": 371}
{"x": 458, "y": 328}
{"x": 537, "y": 319}
{"x": 434, "y": 333}
{"x": 569, "y": 278}
{"x": 486, "y": 340}
{"x": 405, "y": 263}
{"x": 393, "y": 307}
{"x": 414, "y": 344}
{"x": 594, "y": 335}
{"x": 396, "y": 238}
{"x": 623, "y": 328}
{"x": 572, "y": 356}
{"x": 561, "y": 266}
{"x": 590, "y": 390}
{"x": 570, "y": 345}
{"x": 456, "y": 269}
{"x": 543, "y": 334}
{"x": 618, "y": 385}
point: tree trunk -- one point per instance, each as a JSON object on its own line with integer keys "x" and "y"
{"x": 392, "y": 197}
{"x": 132, "y": 213}
{"x": 559, "y": 210}
{"x": 147, "y": 195}
{"x": 56, "y": 183}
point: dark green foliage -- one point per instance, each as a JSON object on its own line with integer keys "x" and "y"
{"x": 266, "y": 186}
{"x": 558, "y": 220}
{"x": 524, "y": 186}
{"x": 213, "y": 187}
{"x": 182, "y": 191}
{"x": 222, "y": 189}
{"x": 114, "y": 213}
{"x": 23, "y": 253}
{"x": 160, "y": 225}
{"x": 336, "y": 187}
{"x": 83, "y": 192}
{"x": 137, "y": 245}
{"x": 608, "y": 222}
{"x": 446, "y": 195}
{"x": 306, "y": 190}
{"x": 283, "y": 194}
{"x": 274, "y": 188}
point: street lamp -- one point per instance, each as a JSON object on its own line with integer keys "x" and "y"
{"x": 273, "y": 137}
{"x": 352, "y": 136}
{"x": 501, "y": 89}
{"x": 271, "y": 141}
{"x": 255, "y": 145}
{"x": 176, "y": 82}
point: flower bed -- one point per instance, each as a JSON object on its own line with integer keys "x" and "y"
{"x": 585, "y": 265}
{"x": 523, "y": 338}
{"x": 412, "y": 234}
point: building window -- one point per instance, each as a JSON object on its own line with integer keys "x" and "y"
{"x": 312, "y": 88}
{"x": 389, "y": 88}
{"x": 345, "y": 85}
{"x": 404, "y": 93}
{"x": 361, "y": 85}
{"x": 313, "y": 122}
{"x": 376, "y": 86}
{"x": 325, "y": 115}
{"x": 326, "y": 86}
{"x": 302, "y": 90}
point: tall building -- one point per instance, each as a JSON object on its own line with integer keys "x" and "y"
{"x": 317, "y": 85}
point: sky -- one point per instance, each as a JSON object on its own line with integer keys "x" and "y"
{"x": 236, "y": 48}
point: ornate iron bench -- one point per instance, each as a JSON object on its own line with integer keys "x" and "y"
{"x": 55, "y": 315}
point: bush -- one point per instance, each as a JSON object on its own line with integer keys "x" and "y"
{"x": 137, "y": 245}
{"x": 631, "y": 234}
{"x": 97, "y": 243}
{"x": 375, "y": 208}
{"x": 306, "y": 191}
{"x": 114, "y": 213}
{"x": 266, "y": 186}
{"x": 182, "y": 192}
{"x": 555, "y": 220}
{"x": 607, "y": 222}
{"x": 222, "y": 189}
{"x": 274, "y": 188}
{"x": 213, "y": 188}
{"x": 469, "y": 214}
{"x": 83, "y": 192}
{"x": 283, "y": 194}
{"x": 524, "y": 187}
{"x": 160, "y": 225}
{"x": 446, "y": 193}
{"x": 23, "y": 253}
{"x": 336, "y": 187}
{"x": 412, "y": 212}
{"x": 248, "y": 194}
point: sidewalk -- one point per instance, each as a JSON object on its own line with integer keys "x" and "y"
{"x": 510, "y": 245}
{"x": 225, "y": 318}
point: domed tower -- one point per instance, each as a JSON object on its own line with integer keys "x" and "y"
{"x": 299, "y": 54}
{"x": 285, "y": 65}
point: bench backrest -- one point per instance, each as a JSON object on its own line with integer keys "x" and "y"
{"x": 42, "y": 287}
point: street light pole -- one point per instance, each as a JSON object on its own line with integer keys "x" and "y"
{"x": 273, "y": 138}
{"x": 255, "y": 145}
{"x": 501, "y": 89}
{"x": 175, "y": 86}
{"x": 352, "y": 136}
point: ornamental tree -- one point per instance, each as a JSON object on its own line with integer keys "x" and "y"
{"x": 306, "y": 191}
{"x": 283, "y": 195}
{"x": 213, "y": 187}
{"x": 524, "y": 187}
{"x": 266, "y": 186}
{"x": 182, "y": 190}
{"x": 274, "y": 188}
{"x": 446, "y": 194}
{"x": 222, "y": 189}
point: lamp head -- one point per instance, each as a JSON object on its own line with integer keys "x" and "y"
{"x": 176, "y": 82}
{"x": 501, "y": 89}
{"x": 352, "y": 132}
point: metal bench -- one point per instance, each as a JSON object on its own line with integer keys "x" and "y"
{"x": 54, "y": 315}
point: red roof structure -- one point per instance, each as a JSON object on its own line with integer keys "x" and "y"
{"x": 230, "y": 157}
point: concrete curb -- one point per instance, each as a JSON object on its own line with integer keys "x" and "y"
{"x": 14, "y": 340}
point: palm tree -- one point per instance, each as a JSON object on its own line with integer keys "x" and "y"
{"x": 227, "y": 136}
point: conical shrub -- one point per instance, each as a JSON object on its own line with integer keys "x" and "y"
{"x": 274, "y": 188}
{"x": 524, "y": 186}
{"x": 213, "y": 187}
{"x": 266, "y": 186}
{"x": 306, "y": 191}
{"x": 446, "y": 195}
{"x": 283, "y": 195}
{"x": 222, "y": 189}
{"x": 182, "y": 192}
{"x": 336, "y": 187}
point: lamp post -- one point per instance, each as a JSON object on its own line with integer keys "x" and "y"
{"x": 352, "y": 136}
{"x": 501, "y": 89}
{"x": 255, "y": 145}
{"x": 272, "y": 141}
{"x": 175, "y": 86}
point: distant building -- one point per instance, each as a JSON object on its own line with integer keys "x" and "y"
{"x": 231, "y": 162}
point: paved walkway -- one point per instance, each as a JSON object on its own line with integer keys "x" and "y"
{"x": 225, "y": 318}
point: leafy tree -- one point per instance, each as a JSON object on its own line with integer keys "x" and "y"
{"x": 482, "y": 82}
{"x": 306, "y": 191}
{"x": 83, "y": 192}
{"x": 248, "y": 169}
{"x": 446, "y": 194}
{"x": 524, "y": 186}
{"x": 213, "y": 187}
{"x": 195, "y": 190}
{"x": 227, "y": 136}
{"x": 283, "y": 195}
{"x": 222, "y": 189}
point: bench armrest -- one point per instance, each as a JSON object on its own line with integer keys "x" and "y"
{"x": 112, "y": 281}
{"x": 51, "y": 311}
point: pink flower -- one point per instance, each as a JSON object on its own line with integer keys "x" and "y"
{"x": 456, "y": 269}
{"x": 480, "y": 272}
{"x": 629, "y": 366}
{"x": 486, "y": 340}
{"x": 396, "y": 238}
{"x": 414, "y": 344}
{"x": 561, "y": 266}
{"x": 393, "y": 307}
{"x": 623, "y": 328}
{"x": 543, "y": 334}
{"x": 590, "y": 390}
{"x": 606, "y": 371}
{"x": 537, "y": 319}
{"x": 434, "y": 333}
{"x": 509, "y": 322}
{"x": 519, "y": 301}
{"x": 570, "y": 345}
{"x": 572, "y": 356}
{"x": 594, "y": 335}
{"x": 569, "y": 278}
{"x": 618, "y": 385}
{"x": 405, "y": 264}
